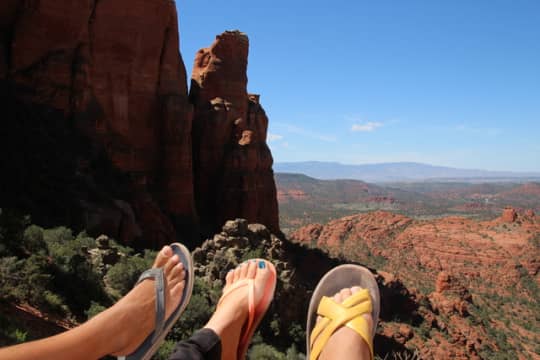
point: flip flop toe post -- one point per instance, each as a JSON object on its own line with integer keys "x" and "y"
{"x": 162, "y": 326}
{"x": 257, "y": 310}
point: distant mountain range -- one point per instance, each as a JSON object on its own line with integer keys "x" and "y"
{"x": 400, "y": 171}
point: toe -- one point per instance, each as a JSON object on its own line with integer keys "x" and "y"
{"x": 244, "y": 270}
{"x": 171, "y": 263}
{"x": 177, "y": 273}
{"x": 345, "y": 293}
{"x": 251, "y": 269}
{"x": 237, "y": 273}
{"x": 162, "y": 257}
{"x": 175, "y": 280}
{"x": 263, "y": 273}
{"x": 177, "y": 289}
{"x": 229, "y": 278}
{"x": 262, "y": 267}
{"x": 337, "y": 298}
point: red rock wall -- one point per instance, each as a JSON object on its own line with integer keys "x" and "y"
{"x": 232, "y": 162}
{"x": 115, "y": 69}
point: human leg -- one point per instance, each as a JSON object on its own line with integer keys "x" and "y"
{"x": 345, "y": 343}
{"x": 342, "y": 315}
{"x": 119, "y": 329}
{"x": 231, "y": 322}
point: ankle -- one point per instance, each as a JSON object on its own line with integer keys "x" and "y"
{"x": 227, "y": 321}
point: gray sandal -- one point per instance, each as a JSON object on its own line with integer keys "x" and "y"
{"x": 341, "y": 277}
{"x": 151, "y": 344}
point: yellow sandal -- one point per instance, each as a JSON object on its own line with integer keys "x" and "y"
{"x": 349, "y": 313}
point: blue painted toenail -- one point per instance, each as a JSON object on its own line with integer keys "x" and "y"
{"x": 262, "y": 265}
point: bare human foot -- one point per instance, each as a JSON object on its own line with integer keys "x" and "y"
{"x": 232, "y": 312}
{"x": 345, "y": 343}
{"x": 117, "y": 330}
{"x": 135, "y": 312}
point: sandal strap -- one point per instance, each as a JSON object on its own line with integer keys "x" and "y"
{"x": 335, "y": 315}
{"x": 250, "y": 284}
{"x": 159, "y": 284}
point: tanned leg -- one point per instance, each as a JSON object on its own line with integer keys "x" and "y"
{"x": 118, "y": 330}
{"x": 229, "y": 318}
{"x": 346, "y": 343}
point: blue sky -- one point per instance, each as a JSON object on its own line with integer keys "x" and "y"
{"x": 454, "y": 83}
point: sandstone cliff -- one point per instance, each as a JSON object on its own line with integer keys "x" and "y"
{"x": 232, "y": 163}
{"x": 113, "y": 73}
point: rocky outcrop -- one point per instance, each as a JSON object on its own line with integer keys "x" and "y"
{"x": 112, "y": 74}
{"x": 299, "y": 269}
{"x": 104, "y": 255}
{"x": 232, "y": 162}
{"x": 450, "y": 296}
{"x": 473, "y": 249}
{"x": 458, "y": 269}
{"x": 409, "y": 319}
{"x": 373, "y": 228}
{"x": 509, "y": 215}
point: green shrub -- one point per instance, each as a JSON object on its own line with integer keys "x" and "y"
{"x": 265, "y": 352}
{"x": 94, "y": 309}
{"x": 293, "y": 354}
{"x": 198, "y": 312}
{"x": 32, "y": 240}
{"x": 54, "y": 303}
{"x": 20, "y": 335}
{"x": 36, "y": 275}
{"x": 122, "y": 276}
{"x": 256, "y": 253}
{"x": 297, "y": 333}
{"x": 11, "y": 278}
{"x": 58, "y": 235}
{"x": 165, "y": 350}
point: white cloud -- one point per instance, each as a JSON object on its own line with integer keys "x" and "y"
{"x": 369, "y": 126}
{"x": 274, "y": 137}
{"x": 293, "y": 129}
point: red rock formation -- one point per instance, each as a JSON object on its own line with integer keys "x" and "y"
{"x": 114, "y": 70}
{"x": 463, "y": 259}
{"x": 371, "y": 227}
{"x": 509, "y": 215}
{"x": 450, "y": 295}
{"x": 232, "y": 163}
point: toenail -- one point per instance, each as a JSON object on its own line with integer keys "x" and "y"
{"x": 262, "y": 265}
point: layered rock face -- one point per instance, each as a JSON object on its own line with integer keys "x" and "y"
{"x": 471, "y": 248}
{"x": 232, "y": 163}
{"x": 463, "y": 268}
{"x": 113, "y": 70}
